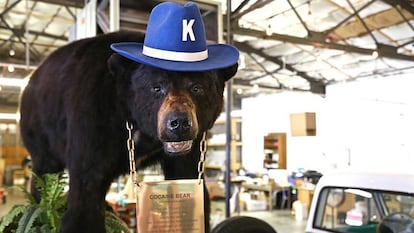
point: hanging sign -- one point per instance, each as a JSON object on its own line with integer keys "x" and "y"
{"x": 172, "y": 206}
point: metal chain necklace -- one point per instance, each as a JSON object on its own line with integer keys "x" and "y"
{"x": 131, "y": 149}
{"x": 201, "y": 162}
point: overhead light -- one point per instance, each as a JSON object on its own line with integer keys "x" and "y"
{"x": 10, "y": 116}
{"x": 242, "y": 62}
{"x": 269, "y": 31}
{"x": 374, "y": 54}
{"x": 10, "y": 68}
{"x": 19, "y": 66}
{"x": 13, "y": 82}
{"x": 255, "y": 87}
{"x": 12, "y": 52}
{"x": 239, "y": 91}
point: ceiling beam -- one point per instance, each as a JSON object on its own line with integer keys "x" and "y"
{"x": 319, "y": 42}
{"x": 69, "y": 3}
{"x": 316, "y": 86}
{"x": 267, "y": 72}
{"x": 4, "y": 12}
{"x": 19, "y": 35}
{"x": 403, "y": 3}
{"x": 375, "y": 22}
{"x": 247, "y": 84}
{"x": 348, "y": 18}
{"x": 362, "y": 21}
{"x": 240, "y": 7}
{"x": 253, "y": 7}
{"x": 298, "y": 16}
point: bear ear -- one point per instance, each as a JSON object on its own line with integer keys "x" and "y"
{"x": 118, "y": 64}
{"x": 228, "y": 72}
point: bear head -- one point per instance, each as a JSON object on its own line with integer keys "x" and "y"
{"x": 172, "y": 107}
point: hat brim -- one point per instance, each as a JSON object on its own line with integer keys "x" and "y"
{"x": 219, "y": 56}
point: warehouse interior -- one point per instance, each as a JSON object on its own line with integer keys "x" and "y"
{"x": 322, "y": 85}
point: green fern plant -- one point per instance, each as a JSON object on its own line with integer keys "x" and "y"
{"x": 113, "y": 224}
{"x": 44, "y": 216}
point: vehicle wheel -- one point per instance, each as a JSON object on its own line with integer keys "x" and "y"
{"x": 243, "y": 224}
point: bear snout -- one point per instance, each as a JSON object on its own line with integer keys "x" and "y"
{"x": 178, "y": 132}
{"x": 179, "y": 123}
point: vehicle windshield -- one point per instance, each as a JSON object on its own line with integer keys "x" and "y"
{"x": 353, "y": 210}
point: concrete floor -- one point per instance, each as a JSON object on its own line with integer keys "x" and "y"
{"x": 14, "y": 197}
{"x": 281, "y": 220}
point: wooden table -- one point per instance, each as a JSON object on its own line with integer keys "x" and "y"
{"x": 269, "y": 189}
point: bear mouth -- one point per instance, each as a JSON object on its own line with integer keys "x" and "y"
{"x": 178, "y": 147}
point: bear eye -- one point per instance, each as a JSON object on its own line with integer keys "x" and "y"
{"x": 156, "y": 89}
{"x": 197, "y": 89}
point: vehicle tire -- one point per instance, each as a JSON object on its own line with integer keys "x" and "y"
{"x": 243, "y": 224}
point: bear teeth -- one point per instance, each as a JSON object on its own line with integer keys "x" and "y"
{"x": 174, "y": 147}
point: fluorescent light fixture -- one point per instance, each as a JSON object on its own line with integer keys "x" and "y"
{"x": 13, "y": 82}
{"x": 10, "y": 116}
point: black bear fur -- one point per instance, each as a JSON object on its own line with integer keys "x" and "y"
{"x": 73, "y": 115}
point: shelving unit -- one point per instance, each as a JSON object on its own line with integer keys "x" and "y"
{"x": 217, "y": 144}
{"x": 274, "y": 146}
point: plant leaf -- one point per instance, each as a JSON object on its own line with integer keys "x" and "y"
{"x": 45, "y": 217}
{"x": 45, "y": 229}
{"x": 9, "y": 217}
{"x": 28, "y": 196}
{"x": 28, "y": 218}
{"x": 113, "y": 224}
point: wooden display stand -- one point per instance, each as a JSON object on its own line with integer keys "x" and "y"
{"x": 236, "y": 143}
{"x": 275, "y": 144}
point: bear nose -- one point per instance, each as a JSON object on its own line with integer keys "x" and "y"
{"x": 179, "y": 122}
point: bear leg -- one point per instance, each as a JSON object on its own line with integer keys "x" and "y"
{"x": 86, "y": 205}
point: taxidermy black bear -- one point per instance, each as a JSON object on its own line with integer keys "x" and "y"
{"x": 76, "y": 105}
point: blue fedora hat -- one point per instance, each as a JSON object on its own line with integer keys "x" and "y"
{"x": 175, "y": 40}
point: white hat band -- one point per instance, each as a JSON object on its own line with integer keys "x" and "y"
{"x": 174, "y": 56}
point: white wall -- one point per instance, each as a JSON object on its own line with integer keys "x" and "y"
{"x": 270, "y": 114}
{"x": 375, "y": 119}
{"x": 364, "y": 125}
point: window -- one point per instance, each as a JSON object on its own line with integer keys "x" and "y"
{"x": 355, "y": 210}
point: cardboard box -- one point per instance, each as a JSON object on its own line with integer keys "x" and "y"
{"x": 303, "y": 124}
{"x": 256, "y": 205}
